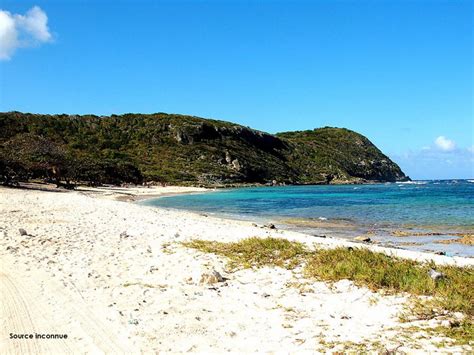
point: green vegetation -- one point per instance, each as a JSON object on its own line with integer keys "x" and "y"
{"x": 379, "y": 271}
{"x": 461, "y": 332}
{"x": 255, "y": 252}
{"x": 27, "y": 155}
{"x": 338, "y": 155}
{"x": 188, "y": 150}
{"x": 376, "y": 271}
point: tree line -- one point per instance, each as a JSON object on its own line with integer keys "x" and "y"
{"x": 29, "y": 156}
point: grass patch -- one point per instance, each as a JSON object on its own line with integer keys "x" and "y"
{"x": 369, "y": 269}
{"x": 379, "y": 271}
{"x": 376, "y": 271}
{"x": 255, "y": 252}
{"x": 461, "y": 333}
{"x": 453, "y": 293}
{"x": 350, "y": 347}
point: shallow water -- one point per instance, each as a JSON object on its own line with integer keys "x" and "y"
{"x": 445, "y": 207}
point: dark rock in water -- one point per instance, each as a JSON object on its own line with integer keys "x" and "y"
{"x": 270, "y": 226}
{"x": 22, "y": 231}
{"x": 363, "y": 239}
{"x": 440, "y": 253}
{"x": 319, "y": 236}
{"x": 436, "y": 275}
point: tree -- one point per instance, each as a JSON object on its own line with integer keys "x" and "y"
{"x": 28, "y": 156}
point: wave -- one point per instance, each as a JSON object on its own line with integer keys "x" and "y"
{"x": 419, "y": 182}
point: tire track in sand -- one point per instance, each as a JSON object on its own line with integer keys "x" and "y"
{"x": 17, "y": 318}
{"x": 24, "y": 310}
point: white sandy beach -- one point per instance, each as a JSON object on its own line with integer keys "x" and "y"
{"x": 113, "y": 277}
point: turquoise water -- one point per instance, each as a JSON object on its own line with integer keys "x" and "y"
{"x": 442, "y": 207}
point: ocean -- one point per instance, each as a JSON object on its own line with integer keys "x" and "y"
{"x": 416, "y": 215}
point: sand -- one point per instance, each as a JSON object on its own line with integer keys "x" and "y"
{"x": 113, "y": 277}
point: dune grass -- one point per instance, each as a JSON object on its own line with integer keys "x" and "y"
{"x": 373, "y": 270}
{"x": 462, "y": 333}
{"x": 255, "y": 252}
{"x": 380, "y": 271}
{"x": 376, "y": 271}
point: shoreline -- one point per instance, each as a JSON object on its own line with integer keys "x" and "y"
{"x": 114, "y": 276}
{"x": 129, "y": 193}
{"x": 439, "y": 240}
{"x": 141, "y": 194}
{"x": 136, "y": 194}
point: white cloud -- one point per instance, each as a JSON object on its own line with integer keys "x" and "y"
{"x": 35, "y": 22}
{"x": 20, "y": 31}
{"x": 436, "y": 163}
{"x": 8, "y": 35}
{"x": 445, "y": 144}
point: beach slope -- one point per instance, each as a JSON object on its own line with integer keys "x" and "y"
{"x": 114, "y": 277}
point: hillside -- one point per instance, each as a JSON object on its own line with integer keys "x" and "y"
{"x": 338, "y": 155}
{"x": 183, "y": 150}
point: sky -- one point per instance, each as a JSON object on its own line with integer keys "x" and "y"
{"x": 399, "y": 72}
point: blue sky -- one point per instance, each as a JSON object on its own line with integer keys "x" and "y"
{"x": 399, "y": 72}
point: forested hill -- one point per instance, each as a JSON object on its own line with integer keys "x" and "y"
{"x": 182, "y": 150}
